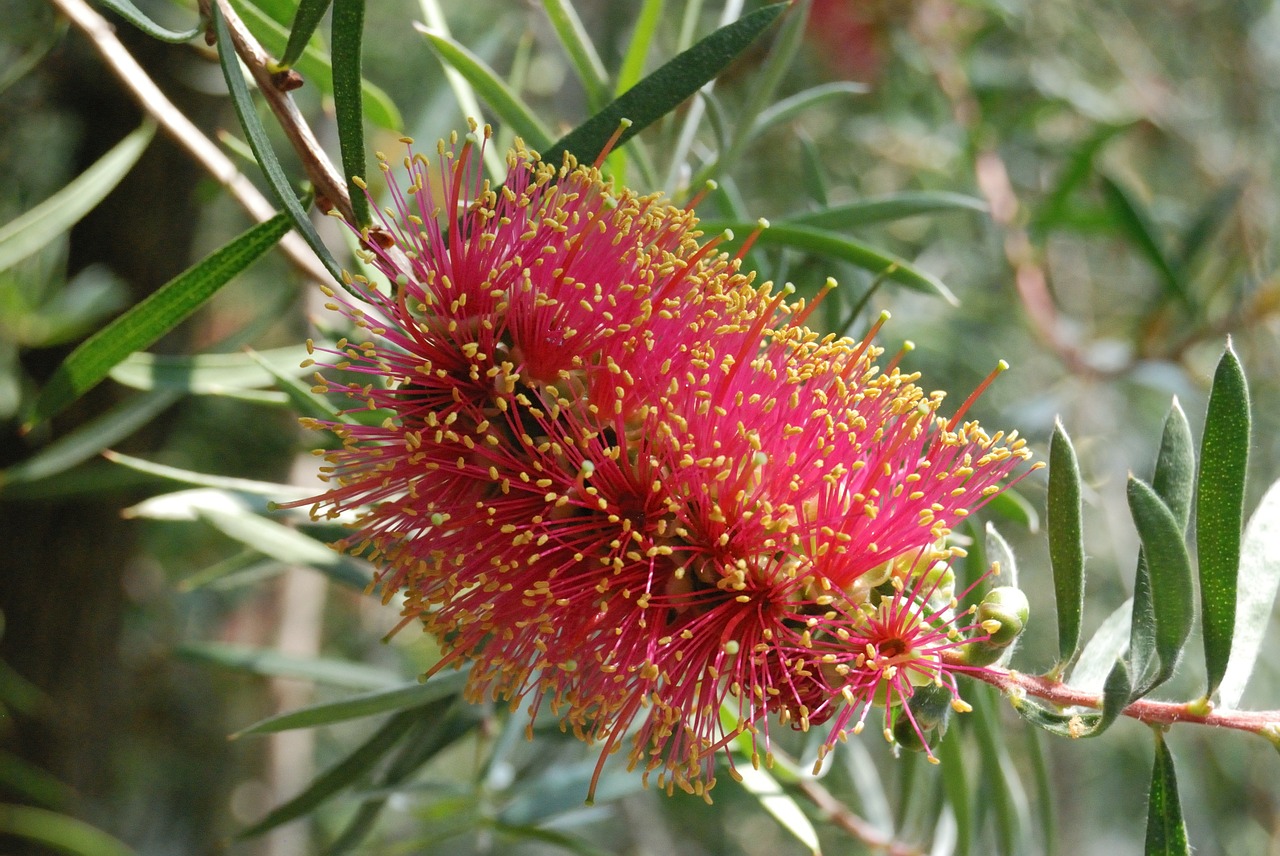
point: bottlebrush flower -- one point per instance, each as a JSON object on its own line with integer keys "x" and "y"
{"x": 628, "y": 483}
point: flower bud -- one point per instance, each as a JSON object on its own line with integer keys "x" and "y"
{"x": 1003, "y": 615}
{"x": 930, "y": 708}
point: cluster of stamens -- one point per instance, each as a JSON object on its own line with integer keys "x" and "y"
{"x": 596, "y": 459}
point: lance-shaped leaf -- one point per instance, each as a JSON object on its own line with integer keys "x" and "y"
{"x": 1166, "y": 833}
{"x": 289, "y": 546}
{"x": 342, "y": 774}
{"x": 492, "y": 88}
{"x": 827, "y": 243}
{"x": 665, "y": 89}
{"x": 131, "y": 13}
{"x": 1224, "y": 457}
{"x": 156, "y": 315}
{"x": 1000, "y": 554}
{"x": 1255, "y": 596}
{"x": 309, "y": 15}
{"x": 273, "y": 663}
{"x": 261, "y": 145}
{"x": 1134, "y": 219}
{"x": 582, "y": 53}
{"x": 1173, "y": 482}
{"x": 1172, "y": 597}
{"x": 35, "y": 229}
{"x": 886, "y": 209}
{"x": 348, "y": 102}
{"x": 59, "y": 833}
{"x": 1066, "y": 540}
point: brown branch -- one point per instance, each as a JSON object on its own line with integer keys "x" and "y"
{"x": 1262, "y": 722}
{"x": 181, "y": 130}
{"x": 840, "y": 815}
{"x": 327, "y": 180}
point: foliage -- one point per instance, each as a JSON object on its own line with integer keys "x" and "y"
{"x": 984, "y": 146}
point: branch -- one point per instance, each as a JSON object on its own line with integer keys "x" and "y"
{"x": 841, "y": 816}
{"x": 1262, "y": 722}
{"x": 181, "y": 130}
{"x": 328, "y": 182}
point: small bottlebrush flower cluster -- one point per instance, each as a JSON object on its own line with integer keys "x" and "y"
{"x": 627, "y": 483}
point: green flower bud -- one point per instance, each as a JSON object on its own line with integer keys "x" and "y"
{"x": 1003, "y": 615}
{"x": 930, "y": 707}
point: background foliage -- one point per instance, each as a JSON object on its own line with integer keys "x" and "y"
{"x": 1092, "y": 182}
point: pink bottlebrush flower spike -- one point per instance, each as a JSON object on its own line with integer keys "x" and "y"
{"x": 628, "y": 483}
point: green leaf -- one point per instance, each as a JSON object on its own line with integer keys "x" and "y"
{"x": 131, "y": 13}
{"x": 150, "y": 319}
{"x": 203, "y": 374}
{"x": 1055, "y": 211}
{"x": 1173, "y": 482}
{"x": 780, "y": 805}
{"x": 316, "y": 66}
{"x": 1209, "y": 220}
{"x": 1013, "y": 506}
{"x": 1100, "y": 653}
{"x": 261, "y": 145}
{"x": 999, "y": 551}
{"x": 1255, "y": 596}
{"x": 1073, "y": 724}
{"x": 275, "y": 490}
{"x": 301, "y": 396}
{"x": 1045, "y": 792}
{"x": 32, "y": 784}
{"x": 827, "y": 243}
{"x": 348, "y": 103}
{"x": 289, "y": 546}
{"x": 665, "y": 89}
{"x": 955, "y": 785}
{"x": 1224, "y": 458}
{"x": 59, "y": 832}
{"x": 1136, "y": 221}
{"x": 582, "y": 54}
{"x": 638, "y": 48}
{"x": 89, "y": 439}
{"x": 1166, "y": 833}
{"x": 37, "y": 228}
{"x": 886, "y": 209}
{"x": 788, "y": 108}
{"x": 342, "y": 774}
{"x": 439, "y": 686}
{"x": 1066, "y": 540}
{"x": 1001, "y": 787}
{"x": 305, "y": 21}
{"x": 272, "y": 663}
{"x": 1172, "y": 598}
{"x": 489, "y": 86}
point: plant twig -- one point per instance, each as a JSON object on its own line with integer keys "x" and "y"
{"x": 1262, "y": 722}
{"x": 842, "y": 816}
{"x": 179, "y": 128}
{"x": 330, "y": 186}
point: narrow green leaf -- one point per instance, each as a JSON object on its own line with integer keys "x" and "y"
{"x": 1224, "y": 458}
{"x": 300, "y": 395}
{"x": 1134, "y": 218}
{"x": 59, "y": 832}
{"x": 1001, "y": 788}
{"x": 1073, "y": 724}
{"x": 1055, "y": 211}
{"x": 1255, "y": 595}
{"x": 89, "y": 439}
{"x": 788, "y": 108}
{"x": 582, "y": 53}
{"x": 341, "y": 775}
{"x": 34, "y": 230}
{"x": 638, "y": 48}
{"x": 275, "y": 490}
{"x": 886, "y": 209}
{"x": 1066, "y": 540}
{"x": 309, "y": 15}
{"x": 30, "y": 783}
{"x": 131, "y": 13}
{"x": 1013, "y": 506}
{"x": 348, "y": 102}
{"x": 827, "y": 243}
{"x": 1166, "y": 833}
{"x": 316, "y": 66}
{"x": 289, "y": 546}
{"x": 440, "y": 686}
{"x": 813, "y": 170}
{"x": 1102, "y": 650}
{"x": 272, "y": 663}
{"x": 780, "y": 805}
{"x": 999, "y": 551}
{"x": 955, "y": 784}
{"x": 489, "y": 86}
{"x": 209, "y": 373}
{"x": 1045, "y": 792}
{"x": 1172, "y": 598}
{"x": 1209, "y": 219}
{"x": 150, "y": 319}
{"x": 261, "y": 145}
{"x": 665, "y": 89}
{"x": 1173, "y": 482}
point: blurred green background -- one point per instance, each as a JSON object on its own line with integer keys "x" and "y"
{"x": 1119, "y": 157}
